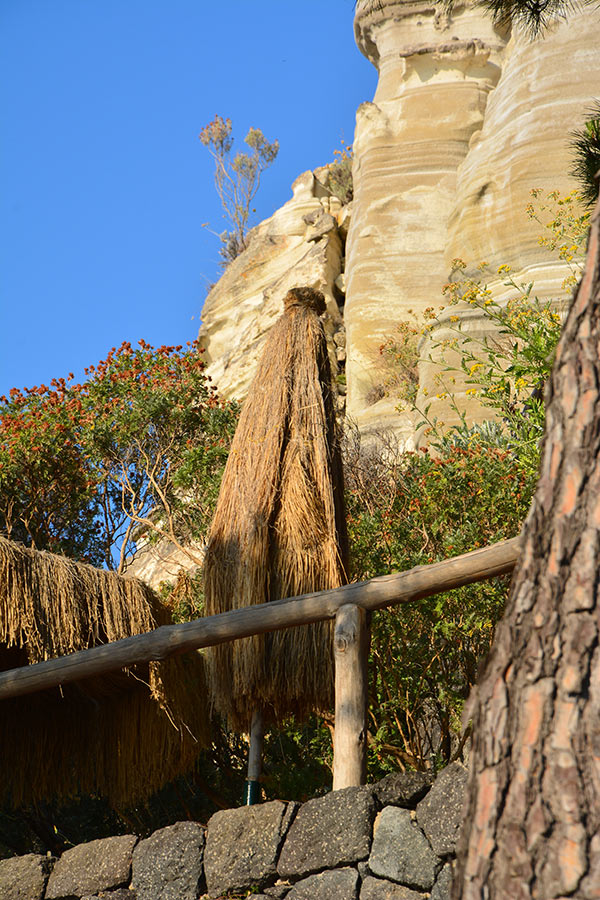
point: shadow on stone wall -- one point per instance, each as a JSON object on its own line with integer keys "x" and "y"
{"x": 393, "y": 840}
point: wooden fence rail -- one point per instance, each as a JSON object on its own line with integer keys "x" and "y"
{"x": 388, "y": 590}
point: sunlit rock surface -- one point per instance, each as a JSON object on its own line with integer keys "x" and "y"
{"x": 466, "y": 120}
{"x": 300, "y": 245}
{"x": 160, "y": 562}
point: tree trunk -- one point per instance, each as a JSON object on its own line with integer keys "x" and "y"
{"x": 532, "y": 822}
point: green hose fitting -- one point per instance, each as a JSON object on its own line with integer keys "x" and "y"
{"x": 252, "y": 793}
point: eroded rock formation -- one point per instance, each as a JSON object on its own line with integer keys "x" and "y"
{"x": 466, "y": 120}
{"x": 300, "y": 245}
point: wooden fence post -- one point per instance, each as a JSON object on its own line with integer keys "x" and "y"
{"x": 350, "y": 647}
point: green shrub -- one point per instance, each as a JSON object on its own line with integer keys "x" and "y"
{"x": 411, "y": 510}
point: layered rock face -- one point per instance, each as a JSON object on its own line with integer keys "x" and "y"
{"x": 300, "y": 245}
{"x": 466, "y": 120}
{"x": 435, "y": 77}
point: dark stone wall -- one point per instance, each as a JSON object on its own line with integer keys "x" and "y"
{"x": 393, "y": 840}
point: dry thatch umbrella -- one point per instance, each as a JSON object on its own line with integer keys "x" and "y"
{"x": 122, "y": 736}
{"x": 279, "y": 528}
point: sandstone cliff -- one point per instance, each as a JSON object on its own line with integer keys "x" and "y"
{"x": 301, "y": 244}
{"x": 466, "y": 120}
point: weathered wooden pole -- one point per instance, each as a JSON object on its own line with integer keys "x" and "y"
{"x": 350, "y": 651}
{"x": 257, "y": 734}
{"x": 385, "y": 590}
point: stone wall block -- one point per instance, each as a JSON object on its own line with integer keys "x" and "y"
{"x": 24, "y": 877}
{"x": 329, "y": 831}
{"x": 442, "y": 889}
{"x": 119, "y": 894}
{"x": 169, "y": 864}
{"x": 242, "y": 846}
{"x": 440, "y": 813}
{"x": 90, "y": 868}
{"x": 401, "y": 852}
{"x": 402, "y": 789}
{"x": 277, "y": 891}
{"x": 337, "y": 884}
{"x": 378, "y": 889}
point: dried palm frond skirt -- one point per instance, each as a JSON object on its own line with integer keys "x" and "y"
{"x": 121, "y": 735}
{"x": 279, "y": 528}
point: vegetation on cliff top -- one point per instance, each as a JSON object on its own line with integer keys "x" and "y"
{"x": 237, "y": 179}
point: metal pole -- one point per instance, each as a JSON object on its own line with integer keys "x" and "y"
{"x": 252, "y": 795}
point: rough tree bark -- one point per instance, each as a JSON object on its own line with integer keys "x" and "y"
{"x": 532, "y": 824}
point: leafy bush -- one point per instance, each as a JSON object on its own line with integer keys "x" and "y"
{"x": 412, "y": 509}
{"x": 507, "y": 368}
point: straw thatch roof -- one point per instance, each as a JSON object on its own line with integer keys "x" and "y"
{"x": 279, "y": 527}
{"x": 122, "y": 735}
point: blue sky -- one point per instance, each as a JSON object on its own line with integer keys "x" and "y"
{"x": 105, "y": 185}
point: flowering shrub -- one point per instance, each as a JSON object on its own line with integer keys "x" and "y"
{"x": 566, "y": 225}
{"x": 397, "y": 366}
{"x": 140, "y": 443}
{"x": 506, "y": 370}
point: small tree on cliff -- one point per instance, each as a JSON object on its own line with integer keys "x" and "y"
{"x": 237, "y": 180}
